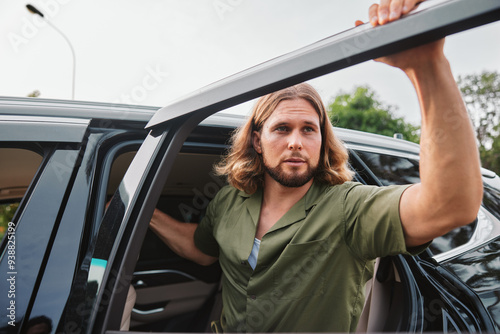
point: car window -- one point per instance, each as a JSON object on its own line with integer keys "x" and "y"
{"x": 491, "y": 200}
{"x": 80, "y": 222}
{"x": 118, "y": 169}
{"x": 17, "y": 168}
{"x": 480, "y": 270}
{"x": 36, "y": 217}
{"x": 392, "y": 170}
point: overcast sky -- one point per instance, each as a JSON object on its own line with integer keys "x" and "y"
{"x": 154, "y": 51}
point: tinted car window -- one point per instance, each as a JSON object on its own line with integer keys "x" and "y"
{"x": 17, "y": 168}
{"x": 480, "y": 269}
{"x": 452, "y": 239}
{"x": 491, "y": 200}
{"x": 392, "y": 170}
{"x": 78, "y": 224}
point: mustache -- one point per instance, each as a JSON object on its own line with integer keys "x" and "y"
{"x": 296, "y": 155}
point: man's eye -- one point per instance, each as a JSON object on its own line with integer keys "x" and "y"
{"x": 281, "y": 128}
{"x": 308, "y": 129}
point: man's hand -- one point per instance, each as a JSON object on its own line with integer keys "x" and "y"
{"x": 413, "y": 59}
{"x": 390, "y": 10}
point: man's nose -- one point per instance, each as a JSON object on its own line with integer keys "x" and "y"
{"x": 294, "y": 141}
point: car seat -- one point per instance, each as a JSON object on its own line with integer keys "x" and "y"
{"x": 383, "y": 306}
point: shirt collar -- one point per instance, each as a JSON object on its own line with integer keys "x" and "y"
{"x": 296, "y": 213}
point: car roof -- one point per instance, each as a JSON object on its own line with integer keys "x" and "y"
{"x": 73, "y": 110}
{"x": 25, "y": 106}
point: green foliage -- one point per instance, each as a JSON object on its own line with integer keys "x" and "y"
{"x": 490, "y": 158}
{"x": 6, "y": 213}
{"x": 362, "y": 111}
{"x": 35, "y": 93}
{"x": 481, "y": 93}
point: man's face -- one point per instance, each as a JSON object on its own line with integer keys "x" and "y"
{"x": 290, "y": 143}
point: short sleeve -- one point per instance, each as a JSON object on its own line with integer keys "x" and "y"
{"x": 372, "y": 225}
{"x": 204, "y": 235}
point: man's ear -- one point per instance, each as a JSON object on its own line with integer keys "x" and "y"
{"x": 256, "y": 142}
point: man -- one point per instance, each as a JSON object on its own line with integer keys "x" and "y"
{"x": 294, "y": 237}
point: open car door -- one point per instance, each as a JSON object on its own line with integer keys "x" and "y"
{"x": 111, "y": 263}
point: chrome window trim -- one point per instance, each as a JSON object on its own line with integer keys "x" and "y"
{"x": 148, "y": 312}
{"x": 379, "y": 150}
{"x": 162, "y": 272}
{"x": 42, "y": 119}
{"x": 42, "y": 129}
{"x": 488, "y": 228}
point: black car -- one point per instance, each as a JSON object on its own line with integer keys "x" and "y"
{"x": 84, "y": 179}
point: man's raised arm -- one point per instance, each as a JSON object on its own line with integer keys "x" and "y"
{"x": 450, "y": 192}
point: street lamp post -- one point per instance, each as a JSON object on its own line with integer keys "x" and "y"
{"x": 35, "y": 11}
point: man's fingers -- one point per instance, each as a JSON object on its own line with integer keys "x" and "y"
{"x": 383, "y": 11}
{"x": 390, "y": 10}
{"x": 395, "y": 8}
{"x": 409, "y": 5}
{"x": 373, "y": 14}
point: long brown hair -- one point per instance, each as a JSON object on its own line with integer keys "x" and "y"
{"x": 244, "y": 167}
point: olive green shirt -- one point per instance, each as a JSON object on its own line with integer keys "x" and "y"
{"x": 312, "y": 264}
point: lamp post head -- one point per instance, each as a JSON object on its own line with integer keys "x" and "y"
{"x": 34, "y": 10}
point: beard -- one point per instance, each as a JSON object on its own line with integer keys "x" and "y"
{"x": 292, "y": 179}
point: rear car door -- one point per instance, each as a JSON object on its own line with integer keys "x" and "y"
{"x": 49, "y": 150}
{"x": 55, "y": 173}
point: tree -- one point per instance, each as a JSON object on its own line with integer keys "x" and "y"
{"x": 362, "y": 111}
{"x": 35, "y": 93}
{"x": 481, "y": 93}
{"x": 6, "y": 213}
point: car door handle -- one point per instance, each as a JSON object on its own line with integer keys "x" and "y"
{"x": 148, "y": 312}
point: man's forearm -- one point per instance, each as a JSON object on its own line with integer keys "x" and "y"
{"x": 179, "y": 237}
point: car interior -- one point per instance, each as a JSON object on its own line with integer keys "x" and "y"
{"x": 18, "y": 166}
{"x": 169, "y": 293}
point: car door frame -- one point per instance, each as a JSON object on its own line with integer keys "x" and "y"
{"x": 133, "y": 204}
{"x": 37, "y": 220}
